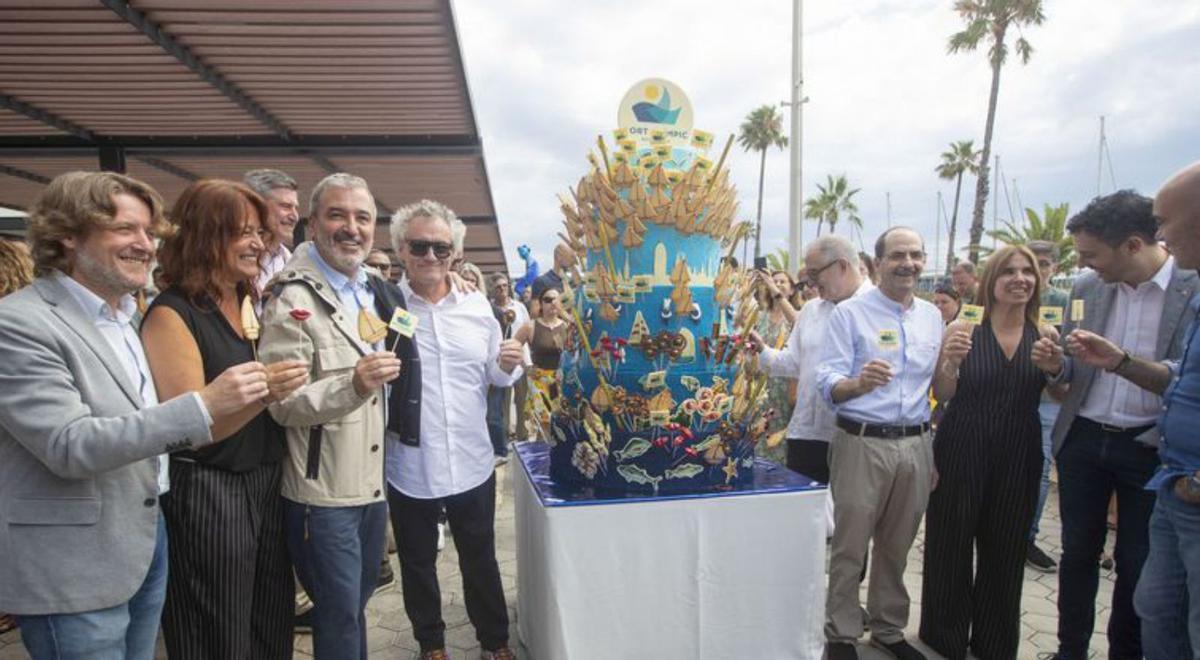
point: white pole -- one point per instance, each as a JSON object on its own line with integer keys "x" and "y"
{"x": 796, "y": 189}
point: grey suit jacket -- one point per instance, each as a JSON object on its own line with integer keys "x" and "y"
{"x": 78, "y": 477}
{"x": 1098, "y": 298}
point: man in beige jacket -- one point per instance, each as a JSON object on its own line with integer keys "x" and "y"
{"x": 334, "y": 508}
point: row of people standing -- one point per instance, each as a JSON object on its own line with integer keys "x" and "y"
{"x": 265, "y": 454}
{"x": 980, "y": 483}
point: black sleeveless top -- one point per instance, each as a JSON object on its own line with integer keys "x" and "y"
{"x": 261, "y": 440}
{"x": 996, "y": 397}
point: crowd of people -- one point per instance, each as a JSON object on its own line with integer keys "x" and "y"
{"x": 231, "y": 450}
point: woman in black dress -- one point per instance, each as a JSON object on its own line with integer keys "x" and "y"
{"x": 230, "y": 590}
{"x": 988, "y": 455}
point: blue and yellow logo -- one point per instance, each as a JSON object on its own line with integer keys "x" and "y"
{"x": 656, "y": 109}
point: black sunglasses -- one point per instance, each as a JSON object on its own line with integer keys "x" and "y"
{"x": 549, "y": 299}
{"x": 421, "y": 248}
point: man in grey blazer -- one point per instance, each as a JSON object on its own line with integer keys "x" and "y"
{"x": 81, "y": 430}
{"x": 1105, "y": 438}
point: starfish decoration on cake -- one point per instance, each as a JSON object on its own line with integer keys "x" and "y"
{"x": 730, "y": 470}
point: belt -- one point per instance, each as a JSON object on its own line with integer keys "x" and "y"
{"x": 892, "y": 431}
{"x": 1118, "y": 430}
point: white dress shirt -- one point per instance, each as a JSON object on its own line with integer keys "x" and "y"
{"x": 275, "y": 263}
{"x": 458, "y": 340}
{"x": 116, "y": 326}
{"x": 812, "y": 418}
{"x": 1133, "y": 322}
{"x": 872, "y": 326}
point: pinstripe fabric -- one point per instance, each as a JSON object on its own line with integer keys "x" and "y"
{"x": 230, "y": 590}
{"x": 989, "y": 458}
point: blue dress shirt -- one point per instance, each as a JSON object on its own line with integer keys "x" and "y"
{"x": 1180, "y": 421}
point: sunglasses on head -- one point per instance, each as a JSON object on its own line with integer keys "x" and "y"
{"x": 421, "y": 248}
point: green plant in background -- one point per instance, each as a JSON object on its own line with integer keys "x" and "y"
{"x": 780, "y": 260}
{"x": 762, "y": 129}
{"x": 833, "y": 202}
{"x": 1051, "y": 226}
{"x": 960, "y": 159}
{"x": 991, "y": 20}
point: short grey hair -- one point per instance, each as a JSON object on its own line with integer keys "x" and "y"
{"x": 832, "y": 248}
{"x": 427, "y": 208}
{"x": 265, "y": 180}
{"x": 338, "y": 180}
{"x": 1043, "y": 248}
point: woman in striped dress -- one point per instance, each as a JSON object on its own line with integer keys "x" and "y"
{"x": 989, "y": 460}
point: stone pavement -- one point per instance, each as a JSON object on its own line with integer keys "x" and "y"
{"x": 390, "y": 635}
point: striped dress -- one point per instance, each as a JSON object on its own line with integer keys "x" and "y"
{"x": 989, "y": 459}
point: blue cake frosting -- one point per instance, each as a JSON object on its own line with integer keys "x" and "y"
{"x": 648, "y": 400}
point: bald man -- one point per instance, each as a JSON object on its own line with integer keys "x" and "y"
{"x": 1167, "y": 598}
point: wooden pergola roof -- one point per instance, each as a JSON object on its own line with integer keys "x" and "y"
{"x": 171, "y": 91}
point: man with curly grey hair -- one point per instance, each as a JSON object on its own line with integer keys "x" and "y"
{"x": 462, "y": 353}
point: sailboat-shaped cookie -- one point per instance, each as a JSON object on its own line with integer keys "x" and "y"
{"x": 681, "y": 295}
{"x": 371, "y": 328}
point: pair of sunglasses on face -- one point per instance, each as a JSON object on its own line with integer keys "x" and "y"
{"x": 422, "y": 248}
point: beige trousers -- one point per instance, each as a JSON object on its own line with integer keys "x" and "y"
{"x": 880, "y": 489}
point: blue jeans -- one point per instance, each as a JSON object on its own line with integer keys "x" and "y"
{"x": 1093, "y": 464}
{"x": 1048, "y": 412}
{"x": 125, "y": 631}
{"x": 336, "y": 552}
{"x": 1170, "y": 579}
{"x": 497, "y": 404}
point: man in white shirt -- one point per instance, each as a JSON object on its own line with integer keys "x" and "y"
{"x": 875, "y": 371}
{"x": 280, "y": 191}
{"x": 462, "y": 353}
{"x": 82, "y": 431}
{"x": 1106, "y": 434}
{"x": 832, "y": 264}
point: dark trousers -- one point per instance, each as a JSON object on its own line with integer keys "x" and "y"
{"x": 230, "y": 592}
{"x": 472, "y": 517}
{"x": 337, "y": 552}
{"x": 1092, "y": 465}
{"x": 976, "y": 531}
{"x": 809, "y": 458}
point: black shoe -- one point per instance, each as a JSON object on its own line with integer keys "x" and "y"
{"x": 901, "y": 650}
{"x": 1038, "y": 560}
{"x": 302, "y": 623}
{"x": 840, "y": 651}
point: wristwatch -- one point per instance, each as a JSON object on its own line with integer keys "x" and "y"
{"x": 1125, "y": 360}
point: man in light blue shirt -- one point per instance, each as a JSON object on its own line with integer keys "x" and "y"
{"x": 875, "y": 372}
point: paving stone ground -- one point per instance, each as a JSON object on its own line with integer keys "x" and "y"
{"x": 390, "y": 634}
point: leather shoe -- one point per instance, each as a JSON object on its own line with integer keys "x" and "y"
{"x": 841, "y": 651}
{"x": 900, "y": 649}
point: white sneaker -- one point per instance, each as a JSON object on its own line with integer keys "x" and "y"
{"x": 441, "y": 537}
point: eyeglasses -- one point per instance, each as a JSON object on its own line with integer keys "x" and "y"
{"x": 421, "y": 248}
{"x": 812, "y": 275}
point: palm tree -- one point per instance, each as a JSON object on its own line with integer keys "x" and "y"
{"x": 780, "y": 260}
{"x": 960, "y": 159}
{"x": 762, "y": 129}
{"x": 1051, "y": 226}
{"x": 817, "y": 208}
{"x": 841, "y": 200}
{"x": 992, "y": 20}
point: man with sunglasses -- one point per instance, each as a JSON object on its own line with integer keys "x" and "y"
{"x": 453, "y": 466}
{"x": 832, "y": 264}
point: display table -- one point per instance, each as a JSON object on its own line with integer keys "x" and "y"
{"x": 738, "y": 574}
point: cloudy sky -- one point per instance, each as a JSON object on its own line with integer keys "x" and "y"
{"x": 885, "y": 99}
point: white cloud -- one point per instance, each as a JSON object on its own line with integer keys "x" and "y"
{"x": 885, "y": 97}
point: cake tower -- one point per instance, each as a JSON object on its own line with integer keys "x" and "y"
{"x": 659, "y": 394}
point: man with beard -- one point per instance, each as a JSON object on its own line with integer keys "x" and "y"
{"x": 1106, "y": 436}
{"x": 322, "y": 311}
{"x": 876, "y": 367}
{"x": 82, "y": 433}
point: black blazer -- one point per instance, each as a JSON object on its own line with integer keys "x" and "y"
{"x": 404, "y": 400}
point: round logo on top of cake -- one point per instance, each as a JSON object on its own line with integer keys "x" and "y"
{"x": 659, "y": 392}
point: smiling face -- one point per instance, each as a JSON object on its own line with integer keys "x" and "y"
{"x": 429, "y": 235}
{"x": 284, "y": 214}
{"x": 902, "y": 263}
{"x": 1016, "y": 281}
{"x": 343, "y": 227}
{"x": 244, "y": 252}
{"x": 114, "y": 260}
{"x": 1112, "y": 264}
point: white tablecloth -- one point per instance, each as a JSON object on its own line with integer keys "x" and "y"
{"x": 731, "y": 576}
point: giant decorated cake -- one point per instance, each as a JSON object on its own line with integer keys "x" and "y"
{"x": 659, "y": 392}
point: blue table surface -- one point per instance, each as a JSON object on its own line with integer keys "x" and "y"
{"x": 535, "y": 459}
